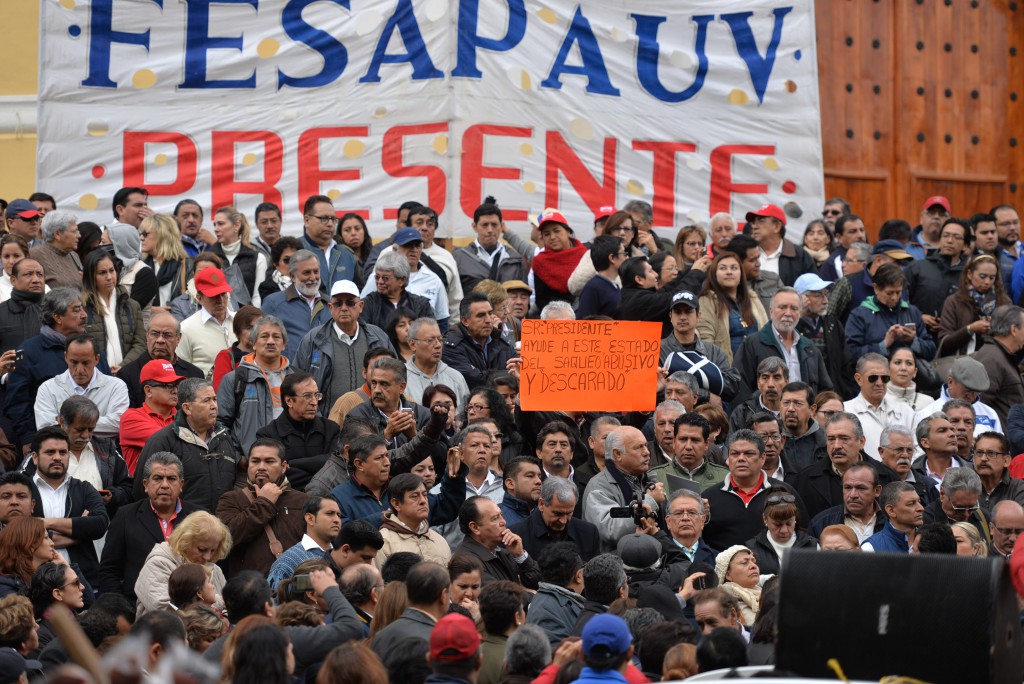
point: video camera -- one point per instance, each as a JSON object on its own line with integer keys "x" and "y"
{"x": 634, "y": 510}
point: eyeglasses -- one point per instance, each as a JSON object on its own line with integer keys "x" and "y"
{"x": 325, "y": 220}
{"x": 832, "y": 212}
{"x": 158, "y": 335}
{"x": 1009, "y": 531}
{"x": 145, "y": 234}
{"x": 433, "y": 341}
{"x": 872, "y": 379}
{"x": 777, "y": 499}
{"x": 990, "y": 454}
{"x": 691, "y": 513}
{"x": 477, "y": 407}
{"x": 965, "y": 509}
{"x": 774, "y": 437}
{"x": 853, "y": 261}
{"x": 621, "y": 229}
{"x": 385, "y": 278}
{"x": 828, "y": 414}
{"x": 340, "y": 303}
{"x": 312, "y": 396}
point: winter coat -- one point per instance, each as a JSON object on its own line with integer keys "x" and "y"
{"x": 712, "y": 353}
{"x": 732, "y": 521}
{"x": 130, "y": 373}
{"x": 648, "y": 304}
{"x": 210, "y": 468}
{"x": 1006, "y": 388}
{"x": 342, "y": 265}
{"x": 89, "y": 522}
{"x": 244, "y": 401}
{"x": 425, "y": 542}
{"x": 714, "y": 329}
{"x": 465, "y": 355}
{"x": 768, "y": 560}
{"x": 113, "y": 472}
{"x": 378, "y": 310}
{"x": 868, "y": 323}
{"x": 293, "y": 309}
{"x": 247, "y": 517}
{"x": 762, "y": 345}
{"x": 835, "y": 352}
{"x": 794, "y": 262}
{"x": 958, "y": 312}
{"x": 472, "y": 270}
{"x": 130, "y": 327}
{"x": 19, "y": 319}
{"x": 555, "y": 609}
{"x": 151, "y": 584}
{"x": 931, "y": 281}
{"x": 307, "y": 445}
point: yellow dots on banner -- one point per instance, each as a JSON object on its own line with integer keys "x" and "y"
{"x": 440, "y": 144}
{"x": 520, "y": 78}
{"x": 582, "y": 129}
{"x": 88, "y": 202}
{"x": 143, "y": 79}
{"x": 160, "y": 159}
{"x": 529, "y": 186}
{"x": 267, "y": 48}
{"x": 634, "y": 187}
{"x": 354, "y": 148}
{"x": 738, "y": 97}
{"x": 524, "y": 80}
{"x": 771, "y": 164}
{"x": 249, "y": 159}
{"x": 790, "y": 86}
{"x": 334, "y": 194}
{"x": 526, "y": 149}
{"x": 97, "y": 129}
{"x": 67, "y": 4}
{"x": 547, "y": 15}
{"x": 380, "y": 112}
{"x": 619, "y": 36}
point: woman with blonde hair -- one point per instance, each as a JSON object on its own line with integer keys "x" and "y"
{"x": 162, "y": 251}
{"x": 968, "y": 540}
{"x": 246, "y": 266}
{"x": 200, "y": 538}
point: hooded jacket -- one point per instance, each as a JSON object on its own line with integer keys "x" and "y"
{"x": 868, "y": 323}
{"x": 425, "y": 542}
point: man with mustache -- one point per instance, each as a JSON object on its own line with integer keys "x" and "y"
{"x": 992, "y": 463}
{"x": 249, "y": 397}
{"x": 860, "y": 510}
{"x": 396, "y": 418}
{"x": 804, "y": 437}
{"x": 266, "y": 516}
{"x": 779, "y": 338}
{"x": 896, "y": 448}
{"x": 302, "y": 305}
{"x": 962, "y": 416}
{"x": 772, "y": 376}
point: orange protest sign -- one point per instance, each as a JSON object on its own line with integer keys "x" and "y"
{"x": 589, "y": 365}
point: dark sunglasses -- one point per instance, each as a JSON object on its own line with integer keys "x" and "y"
{"x": 875, "y": 378}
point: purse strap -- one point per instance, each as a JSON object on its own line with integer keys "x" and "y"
{"x": 275, "y": 543}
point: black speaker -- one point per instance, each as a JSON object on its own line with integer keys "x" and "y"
{"x": 932, "y": 617}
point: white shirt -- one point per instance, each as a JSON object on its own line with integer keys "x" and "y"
{"x": 482, "y": 489}
{"x": 862, "y": 530}
{"x": 770, "y": 262}
{"x": 84, "y": 467}
{"x": 789, "y": 354}
{"x": 343, "y": 336}
{"x": 874, "y": 420}
{"x": 55, "y": 502}
{"x": 310, "y": 544}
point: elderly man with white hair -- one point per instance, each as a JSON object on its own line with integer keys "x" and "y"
{"x": 57, "y": 254}
{"x": 627, "y": 460}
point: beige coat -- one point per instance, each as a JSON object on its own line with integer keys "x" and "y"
{"x": 397, "y": 537}
{"x": 715, "y": 330}
{"x": 151, "y": 587}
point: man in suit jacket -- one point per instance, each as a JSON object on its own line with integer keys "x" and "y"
{"x": 139, "y": 526}
{"x": 427, "y": 587}
{"x": 552, "y": 521}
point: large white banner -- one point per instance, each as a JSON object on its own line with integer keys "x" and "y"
{"x": 697, "y": 107}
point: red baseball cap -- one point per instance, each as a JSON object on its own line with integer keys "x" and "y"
{"x": 211, "y": 281}
{"x": 767, "y": 210}
{"x": 552, "y": 216}
{"x": 454, "y": 638}
{"x": 936, "y": 199}
{"x": 604, "y": 212}
{"x": 159, "y": 370}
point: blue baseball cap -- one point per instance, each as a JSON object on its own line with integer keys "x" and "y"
{"x": 811, "y": 282}
{"x": 407, "y": 236}
{"x": 606, "y": 635}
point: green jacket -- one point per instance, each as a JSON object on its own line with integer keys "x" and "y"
{"x": 706, "y": 475}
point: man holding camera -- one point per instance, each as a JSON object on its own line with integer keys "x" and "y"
{"x": 624, "y": 483}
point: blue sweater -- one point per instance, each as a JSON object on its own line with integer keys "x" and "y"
{"x": 599, "y": 297}
{"x": 284, "y": 566}
{"x": 889, "y": 540}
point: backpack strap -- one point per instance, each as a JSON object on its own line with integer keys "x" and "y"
{"x": 275, "y": 544}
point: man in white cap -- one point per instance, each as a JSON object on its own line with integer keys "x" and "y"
{"x": 967, "y": 379}
{"x": 778, "y": 255}
{"x": 333, "y": 352}
{"x": 825, "y": 331}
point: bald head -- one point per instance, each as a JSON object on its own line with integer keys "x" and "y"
{"x": 627, "y": 446}
{"x": 1007, "y": 525}
{"x": 361, "y": 585}
{"x": 162, "y": 336}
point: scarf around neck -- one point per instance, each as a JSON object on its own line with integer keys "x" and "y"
{"x": 554, "y": 268}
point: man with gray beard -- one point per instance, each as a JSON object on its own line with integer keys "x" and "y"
{"x": 302, "y": 306}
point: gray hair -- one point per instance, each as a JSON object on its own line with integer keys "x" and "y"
{"x": 745, "y": 436}
{"x": 556, "y": 306}
{"x": 887, "y": 432}
{"x": 604, "y": 576}
{"x": 464, "y": 434}
{"x": 1003, "y": 318}
{"x": 559, "y": 488}
{"x": 685, "y": 378}
{"x": 386, "y": 363}
{"x": 858, "y": 429}
{"x": 785, "y": 289}
{"x": 614, "y": 442}
{"x": 871, "y": 357}
{"x": 723, "y": 215}
{"x": 925, "y": 426}
{"x": 394, "y": 262}
{"x": 297, "y": 258}
{"x": 527, "y": 651}
{"x": 686, "y": 494}
{"x": 640, "y": 207}
{"x": 771, "y": 365}
{"x": 75, "y": 406}
{"x": 860, "y": 250}
{"x": 961, "y": 480}
{"x": 601, "y": 421}
{"x": 672, "y": 404}
{"x": 57, "y": 222}
{"x": 177, "y": 323}
{"x": 265, "y": 321}
{"x": 414, "y": 327}
{"x": 962, "y": 404}
{"x": 189, "y": 388}
{"x": 162, "y": 458}
{"x": 892, "y": 492}
{"x": 56, "y": 303}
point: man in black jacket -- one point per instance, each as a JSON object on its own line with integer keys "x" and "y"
{"x": 826, "y": 332}
{"x": 767, "y": 225}
{"x": 71, "y": 509}
{"x": 19, "y": 315}
{"x": 498, "y": 548}
{"x": 308, "y": 437}
{"x": 139, "y": 526}
{"x": 162, "y": 339}
{"x": 473, "y": 346}
{"x": 552, "y": 521}
{"x": 642, "y": 300}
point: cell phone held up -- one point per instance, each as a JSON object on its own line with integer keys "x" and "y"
{"x": 302, "y": 583}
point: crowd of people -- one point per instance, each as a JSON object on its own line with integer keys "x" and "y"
{"x": 237, "y": 456}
